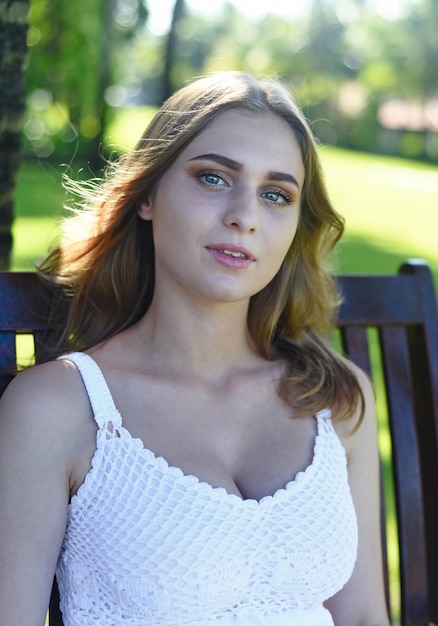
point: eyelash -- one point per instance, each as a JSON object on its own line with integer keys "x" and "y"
{"x": 202, "y": 176}
{"x": 286, "y": 197}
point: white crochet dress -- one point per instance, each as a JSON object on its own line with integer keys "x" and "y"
{"x": 146, "y": 545}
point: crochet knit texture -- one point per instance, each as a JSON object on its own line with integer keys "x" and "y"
{"x": 147, "y": 545}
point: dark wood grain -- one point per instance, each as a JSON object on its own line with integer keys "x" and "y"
{"x": 403, "y": 309}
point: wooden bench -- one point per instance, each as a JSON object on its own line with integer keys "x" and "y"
{"x": 401, "y": 310}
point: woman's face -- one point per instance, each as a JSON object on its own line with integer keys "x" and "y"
{"x": 226, "y": 211}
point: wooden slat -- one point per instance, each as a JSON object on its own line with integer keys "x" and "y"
{"x": 407, "y": 476}
{"x": 423, "y": 345}
{"x": 23, "y": 309}
{"x": 22, "y": 302}
{"x": 364, "y": 295}
{"x": 355, "y": 344}
{"x": 55, "y": 616}
{"x": 7, "y": 358}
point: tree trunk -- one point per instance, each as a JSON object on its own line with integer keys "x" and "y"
{"x": 13, "y": 55}
{"x": 178, "y": 12}
{"x": 95, "y": 157}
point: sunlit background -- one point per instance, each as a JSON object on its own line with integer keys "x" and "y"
{"x": 365, "y": 73}
{"x": 160, "y": 12}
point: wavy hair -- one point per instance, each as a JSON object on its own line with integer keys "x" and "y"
{"x": 103, "y": 267}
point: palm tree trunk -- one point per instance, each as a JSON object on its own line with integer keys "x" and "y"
{"x": 13, "y": 56}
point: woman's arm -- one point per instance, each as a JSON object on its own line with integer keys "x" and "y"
{"x": 362, "y": 601}
{"x": 35, "y": 456}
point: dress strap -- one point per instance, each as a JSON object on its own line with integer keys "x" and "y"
{"x": 324, "y": 421}
{"x": 324, "y": 414}
{"x": 101, "y": 400}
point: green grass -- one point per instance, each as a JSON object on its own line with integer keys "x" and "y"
{"x": 39, "y": 200}
{"x": 391, "y": 211}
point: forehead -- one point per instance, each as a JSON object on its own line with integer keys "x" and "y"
{"x": 255, "y": 138}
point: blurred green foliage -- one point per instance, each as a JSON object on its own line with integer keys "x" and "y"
{"x": 72, "y": 47}
{"x": 366, "y": 77}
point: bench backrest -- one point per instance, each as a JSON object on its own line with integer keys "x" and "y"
{"x": 403, "y": 310}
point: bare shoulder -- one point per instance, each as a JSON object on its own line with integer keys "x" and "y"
{"x": 55, "y": 383}
{"x": 46, "y": 403}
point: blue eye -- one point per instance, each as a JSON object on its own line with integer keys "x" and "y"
{"x": 280, "y": 198}
{"x": 212, "y": 179}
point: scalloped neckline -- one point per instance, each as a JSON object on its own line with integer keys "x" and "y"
{"x": 177, "y": 473}
{"x": 180, "y": 476}
{"x": 190, "y": 480}
{"x": 193, "y": 481}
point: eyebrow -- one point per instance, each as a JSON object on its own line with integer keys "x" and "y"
{"x": 236, "y": 166}
{"x": 219, "y": 158}
{"x": 285, "y": 177}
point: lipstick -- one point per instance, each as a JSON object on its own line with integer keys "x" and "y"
{"x": 232, "y": 256}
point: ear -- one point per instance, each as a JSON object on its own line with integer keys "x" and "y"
{"x": 145, "y": 210}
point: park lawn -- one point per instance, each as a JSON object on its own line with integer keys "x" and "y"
{"x": 39, "y": 200}
{"x": 32, "y": 236}
{"x": 391, "y": 210}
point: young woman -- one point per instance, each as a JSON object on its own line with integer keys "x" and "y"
{"x": 198, "y": 454}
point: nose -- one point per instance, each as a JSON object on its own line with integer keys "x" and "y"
{"x": 242, "y": 212}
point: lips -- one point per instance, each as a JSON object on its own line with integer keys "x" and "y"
{"x": 231, "y": 256}
{"x": 235, "y": 252}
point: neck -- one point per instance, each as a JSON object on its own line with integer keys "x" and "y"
{"x": 207, "y": 339}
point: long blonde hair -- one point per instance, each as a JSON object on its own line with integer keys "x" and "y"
{"x": 103, "y": 268}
